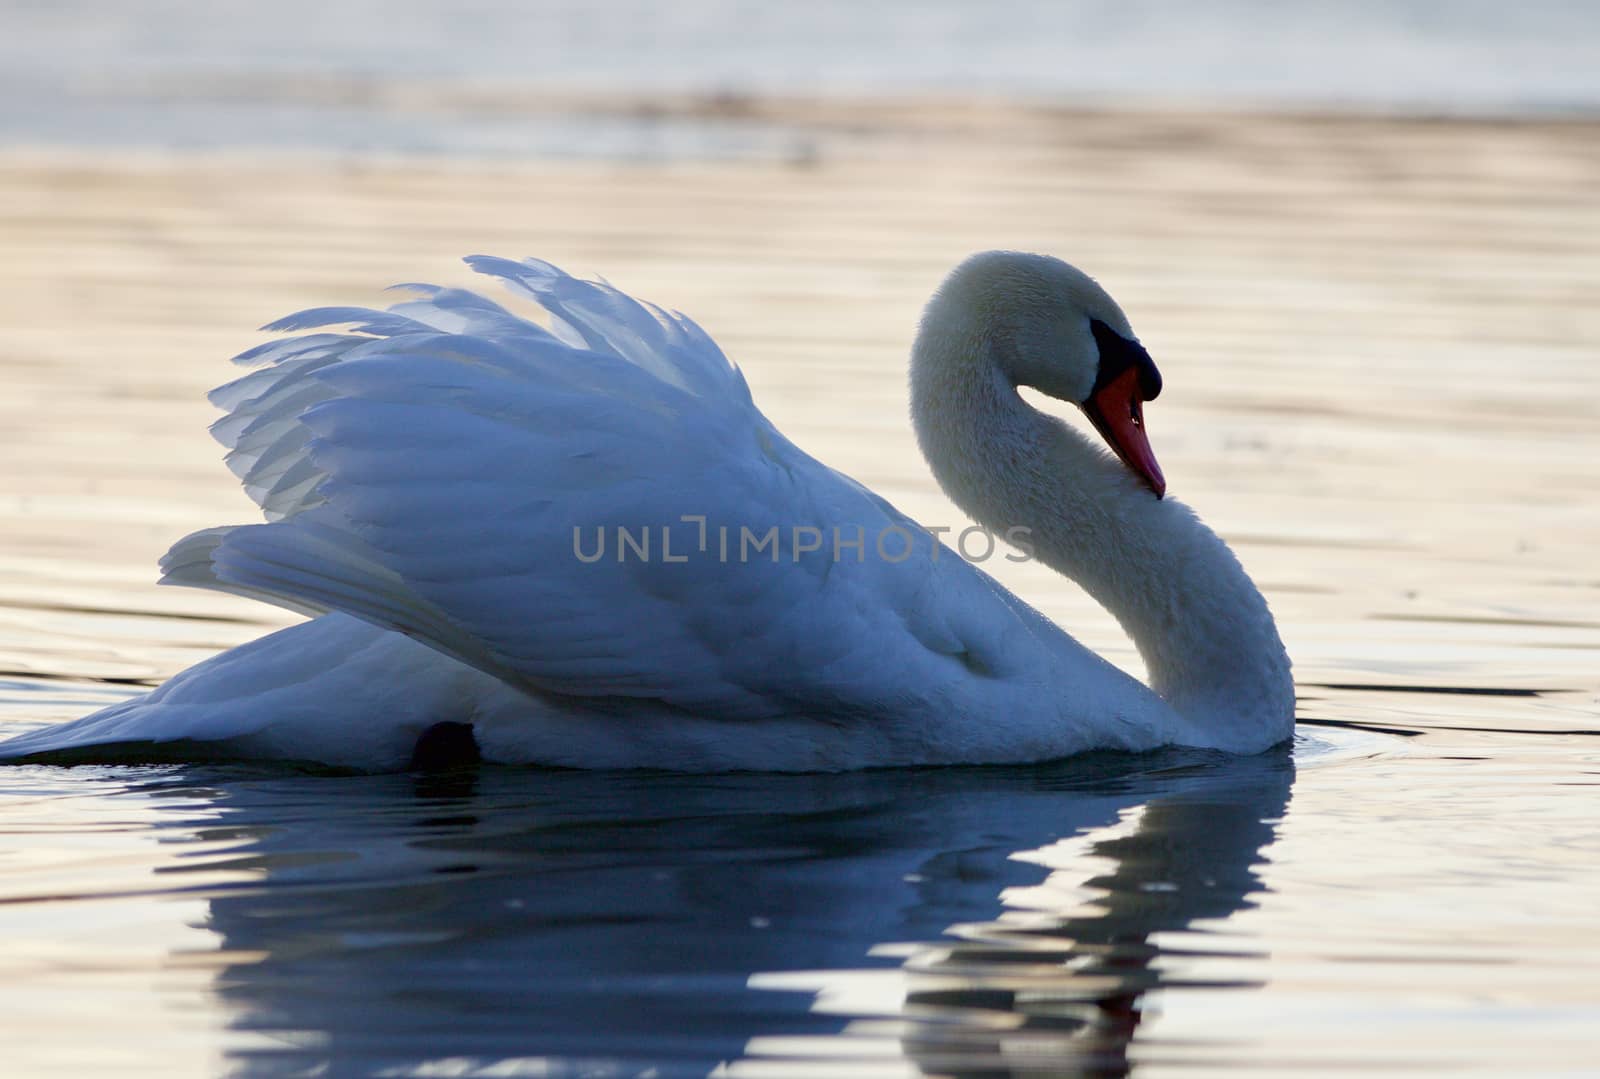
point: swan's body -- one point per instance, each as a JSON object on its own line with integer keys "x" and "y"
{"x": 436, "y": 484}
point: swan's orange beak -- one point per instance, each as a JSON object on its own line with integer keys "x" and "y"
{"x": 1117, "y": 412}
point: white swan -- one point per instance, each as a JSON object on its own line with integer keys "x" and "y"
{"x": 437, "y": 480}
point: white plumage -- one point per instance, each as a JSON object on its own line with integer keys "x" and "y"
{"x": 435, "y": 481}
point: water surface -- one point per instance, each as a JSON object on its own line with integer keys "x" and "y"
{"x": 636, "y": 80}
{"x": 1378, "y": 339}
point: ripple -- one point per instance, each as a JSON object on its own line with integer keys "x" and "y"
{"x": 1320, "y": 743}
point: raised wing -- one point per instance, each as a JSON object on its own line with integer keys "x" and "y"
{"x": 595, "y": 508}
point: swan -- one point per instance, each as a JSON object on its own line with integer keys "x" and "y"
{"x": 578, "y": 542}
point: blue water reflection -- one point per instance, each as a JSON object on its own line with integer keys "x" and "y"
{"x": 510, "y": 921}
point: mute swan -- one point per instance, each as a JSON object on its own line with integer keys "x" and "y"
{"x": 438, "y": 481}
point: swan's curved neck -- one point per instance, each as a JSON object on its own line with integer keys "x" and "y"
{"x": 1203, "y": 629}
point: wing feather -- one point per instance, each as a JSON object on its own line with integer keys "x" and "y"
{"x": 440, "y": 471}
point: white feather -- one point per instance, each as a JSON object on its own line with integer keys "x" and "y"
{"x": 436, "y": 473}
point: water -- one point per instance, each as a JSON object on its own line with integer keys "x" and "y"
{"x": 1093, "y": 916}
{"x": 632, "y": 922}
{"x": 1378, "y": 338}
{"x": 635, "y": 79}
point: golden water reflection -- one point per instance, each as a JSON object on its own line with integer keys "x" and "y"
{"x": 1378, "y": 338}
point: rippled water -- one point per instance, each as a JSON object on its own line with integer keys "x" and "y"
{"x": 643, "y": 921}
{"x": 1378, "y": 340}
{"x": 1351, "y": 905}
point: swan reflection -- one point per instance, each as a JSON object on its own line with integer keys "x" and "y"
{"x": 515, "y": 922}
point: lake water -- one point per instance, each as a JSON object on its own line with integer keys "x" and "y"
{"x": 1379, "y": 342}
{"x": 636, "y": 79}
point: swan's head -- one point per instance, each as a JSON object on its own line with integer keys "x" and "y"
{"x": 1049, "y": 326}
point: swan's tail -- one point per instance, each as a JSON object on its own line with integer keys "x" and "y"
{"x": 270, "y": 700}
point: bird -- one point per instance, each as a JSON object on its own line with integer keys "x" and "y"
{"x": 572, "y": 539}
